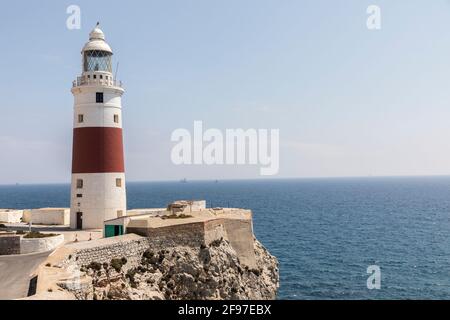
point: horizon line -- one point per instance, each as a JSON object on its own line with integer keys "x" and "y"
{"x": 244, "y": 179}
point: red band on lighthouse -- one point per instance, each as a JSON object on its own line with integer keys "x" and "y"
{"x": 97, "y": 150}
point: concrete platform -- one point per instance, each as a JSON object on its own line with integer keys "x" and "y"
{"x": 16, "y": 273}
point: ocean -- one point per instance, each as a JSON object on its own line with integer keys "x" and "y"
{"x": 324, "y": 232}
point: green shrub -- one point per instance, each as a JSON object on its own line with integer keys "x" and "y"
{"x": 38, "y": 235}
{"x": 130, "y": 274}
{"x": 148, "y": 254}
{"x": 178, "y": 216}
{"x": 216, "y": 243}
{"x": 117, "y": 264}
{"x": 95, "y": 266}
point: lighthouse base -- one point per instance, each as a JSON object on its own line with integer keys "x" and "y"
{"x": 95, "y": 198}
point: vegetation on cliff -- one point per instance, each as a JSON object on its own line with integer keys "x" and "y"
{"x": 179, "y": 272}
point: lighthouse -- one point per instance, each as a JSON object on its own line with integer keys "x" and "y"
{"x": 98, "y": 173}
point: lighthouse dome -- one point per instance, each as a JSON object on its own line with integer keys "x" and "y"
{"x": 97, "y": 41}
{"x": 97, "y": 34}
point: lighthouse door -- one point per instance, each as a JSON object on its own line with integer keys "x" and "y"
{"x": 79, "y": 220}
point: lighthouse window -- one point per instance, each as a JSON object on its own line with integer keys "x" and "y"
{"x": 116, "y": 118}
{"x": 80, "y": 118}
{"x": 97, "y": 60}
{"x": 99, "y": 97}
{"x": 118, "y": 182}
{"x": 79, "y": 183}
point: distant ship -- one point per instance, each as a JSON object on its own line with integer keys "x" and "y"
{"x": 183, "y": 180}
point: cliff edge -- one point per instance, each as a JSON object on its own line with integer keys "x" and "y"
{"x": 207, "y": 272}
{"x": 210, "y": 255}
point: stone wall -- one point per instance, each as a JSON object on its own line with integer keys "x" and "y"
{"x": 130, "y": 246}
{"x": 9, "y": 244}
{"x": 214, "y": 230}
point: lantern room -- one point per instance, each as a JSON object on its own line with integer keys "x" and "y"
{"x": 97, "y": 54}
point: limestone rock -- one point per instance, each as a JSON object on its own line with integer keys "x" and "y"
{"x": 183, "y": 272}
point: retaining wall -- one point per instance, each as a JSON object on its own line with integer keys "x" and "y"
{"x": 130, "y": 246}
{"x": 50, "y": 216}
{"x": 9, "y": 244}
{"x": 40, "y": 244}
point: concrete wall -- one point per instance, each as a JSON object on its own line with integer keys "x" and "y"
{"x": 214, "y": 230}
{"x": 241, "y": 237}
{"x": 198, "y": 205}
{"x": 40, "y": 244}
{"x": 186, "y": 206}
{"x": 239, "y": 232}
{"x": 26, "y": 215}
{"x": 10, "y": 216}
{"x": 9, "y": 244}
{"x": 50, "y": 216}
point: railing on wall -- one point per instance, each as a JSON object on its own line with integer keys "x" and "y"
{"x": 85, "y": 81}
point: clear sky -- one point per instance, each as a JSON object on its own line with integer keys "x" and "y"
{"x": 348, "y": 101}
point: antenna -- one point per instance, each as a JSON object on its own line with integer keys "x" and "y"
{"x": 117, "y": 69}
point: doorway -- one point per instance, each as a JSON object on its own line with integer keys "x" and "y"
{"x": 79, "y": 220}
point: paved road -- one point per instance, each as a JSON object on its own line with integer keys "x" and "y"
{"x": 15, "y": 273}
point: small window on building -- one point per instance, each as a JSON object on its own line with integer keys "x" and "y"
{"x": 80, "y": 118}
{"x": 116, "y": 118}
{"x": 101, "y": 76}
{"x": 95, "y": 76}
{"x": 89, "y": 76}
{"x": 99, "y": 97}
{"x": 79, "y": 183}
{"x": 106, "y": 77}
{"x": 79, "y": 195}
{"x": 118, "y": 182}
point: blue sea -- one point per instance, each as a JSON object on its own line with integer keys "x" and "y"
{"x": 324, "y": 232}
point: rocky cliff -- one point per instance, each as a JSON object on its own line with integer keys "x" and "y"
{"x": 211, "y": 271}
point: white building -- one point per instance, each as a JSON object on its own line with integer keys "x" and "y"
{"x": 10, "y": 216}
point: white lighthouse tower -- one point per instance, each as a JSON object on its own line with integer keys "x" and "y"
{"x": 98, "y": 173}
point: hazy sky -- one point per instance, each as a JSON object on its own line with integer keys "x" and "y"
{"x": 348, "y": 101}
